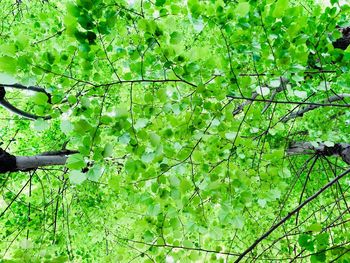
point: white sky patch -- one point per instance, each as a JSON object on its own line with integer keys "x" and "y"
{"x": 198, "y": 25}
{"x": 7, "y": 79}
{"x": 131, "y": 2}
{"x": 328, "y": 3}
{"x": 112, "y": 113}
{"x": 155, "y": 14}
{"x": 169, "y": 259}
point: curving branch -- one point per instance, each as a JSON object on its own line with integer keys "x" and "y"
{"x": 32, "y": 88}
{"x": 4, "y": 103}
{"x": 300, "y": 112}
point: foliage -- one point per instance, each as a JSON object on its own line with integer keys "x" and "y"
{"x": 145, "y": 91}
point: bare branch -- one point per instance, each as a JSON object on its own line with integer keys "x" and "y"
{"x": 280, "y": 88}
{"x": 290, "y": 214}
{"x": 303, "y": 110}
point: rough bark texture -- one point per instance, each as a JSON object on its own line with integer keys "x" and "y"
{"x": 339, "y": 149}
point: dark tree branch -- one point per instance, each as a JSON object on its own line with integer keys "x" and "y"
{"x": 290, "y": 214}
{"x": 303, "y": 110}
{"x": 4, "y": 103}
{"x": 291, "y": 102}
{"x": 32, "y": 88}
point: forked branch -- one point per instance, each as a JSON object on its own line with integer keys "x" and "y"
{"x": 290, "y": 214}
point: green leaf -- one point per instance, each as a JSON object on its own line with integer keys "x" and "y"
{"x": 66, "y": 126}
{"x": 41, "y": 125}
{"x": 73, "y": 10}
{"x": 40, "y": 98}
{"x": 77, "y": 177}
{"x": 300, "y": 94}
{"x": 148, "y": 236}
{"x": 242, "y": 9}
{"x": 108, "y": 150}
{"x": 306, "y": 241}
{"x": 230, "y": 135}
{"x": 175, "y": 38}
{"x": 94, "y": 173}
{"x": 75, "y": 162}
{"x": 160, "y": 2}
{"x": 318, "y": 257}
{"x": 284, "y": 172}
{"x": 238, "y": 222}
{"x": 280, "y": 7}
{"x": 315, "y": 227}
{"x": 8, "y": 64}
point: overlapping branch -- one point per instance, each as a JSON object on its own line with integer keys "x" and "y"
{"x": 290, "y": 214}
{"x": 338, "y": 149}
{"x": 300, "y": 112}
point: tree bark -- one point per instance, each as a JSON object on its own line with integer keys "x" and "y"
{"x": 338, "y": 149}
{"x": 24, "y": 163}
{"x": 11, "y": 163}
{"x": 300, "y": 112}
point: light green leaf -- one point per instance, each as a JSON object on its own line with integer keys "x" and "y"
{"x": 329, "y": 144}
{"x": 108, "y": 150}
{"x": 75, "y": 162}
{"x": 300, "y": 94}
{"x": 95, "y": 173}
{"x": 66, "y": 126}
{"x": 77, "y": 177}
{"x": 242, "y": 9}
{"x": 315, "y": 227}
{"x": 41, "y": 125}
{"x": 280, "y": 7}
{"x": 238, "y": 222}
{"x": 230, "y": 135}
{"x": 8, "y": 64}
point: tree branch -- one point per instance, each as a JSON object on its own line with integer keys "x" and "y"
{"x": 339, "y": 149}
{"x": 303, "y": 110}
{"x": 11, "y": 163}
{"x": 248, "y": 101}
{"x": 290, "y": 214}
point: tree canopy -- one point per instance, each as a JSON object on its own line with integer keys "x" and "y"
{"x": 192, "y": 131}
